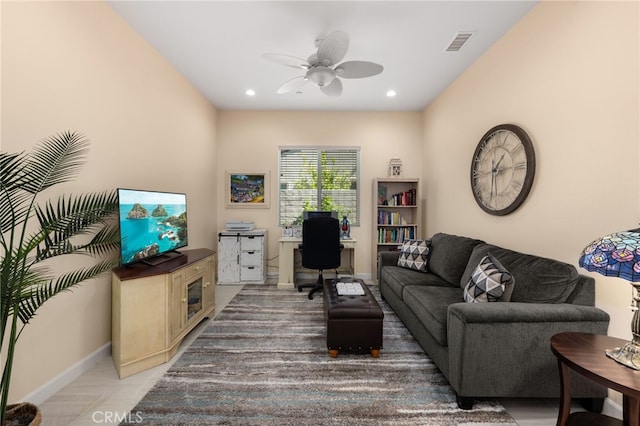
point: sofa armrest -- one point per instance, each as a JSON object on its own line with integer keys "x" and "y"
{"x": 507, "y": 346}
{"x": 513, "y": 312}
{"x": 387, "y": 258}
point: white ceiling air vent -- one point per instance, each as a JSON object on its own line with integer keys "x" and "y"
{"x": 459, "y": 40}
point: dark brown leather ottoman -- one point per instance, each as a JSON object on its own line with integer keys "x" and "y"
{"x": 354, "y": 323}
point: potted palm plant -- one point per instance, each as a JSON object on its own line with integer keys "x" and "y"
{"x": 33, "y": 233}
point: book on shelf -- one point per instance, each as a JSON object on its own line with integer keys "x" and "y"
{"x": 396, "y": 235}
{"x": 406, "y": 198}
{"x": 390, "y": 218}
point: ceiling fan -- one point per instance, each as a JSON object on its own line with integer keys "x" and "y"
{"x": 323, "y": 67}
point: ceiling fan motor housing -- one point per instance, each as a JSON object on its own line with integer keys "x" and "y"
{"x": 321, "y": 75}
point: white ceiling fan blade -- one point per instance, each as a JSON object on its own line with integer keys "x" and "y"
{"x": 333, "y": 89}
{"x": 287, "y": 60}
{"x": 292, "y": 85}
{"x": 333, "y": 48}
{"x": 358, "y": 69}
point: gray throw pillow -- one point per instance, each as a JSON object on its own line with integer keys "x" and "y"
{"x": 490, "y": 282}
{"x": 414, "y": 254}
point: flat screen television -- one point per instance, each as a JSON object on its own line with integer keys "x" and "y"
{"x": 153, "y": 225}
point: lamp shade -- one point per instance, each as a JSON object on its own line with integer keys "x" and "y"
{"x": 614, "y": 255}
{"x": 618, "y": 255}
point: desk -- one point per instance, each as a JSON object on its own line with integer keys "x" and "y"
{"x": 288, "y": 252}
{"x": 584, "y": 353}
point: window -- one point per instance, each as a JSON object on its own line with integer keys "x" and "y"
{"x": 319, "y": 179}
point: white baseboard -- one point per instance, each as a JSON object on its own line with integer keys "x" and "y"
{"x": 364, "y": 277}
{"x": 44, "y": 392}
{"x": 612, "y": 409}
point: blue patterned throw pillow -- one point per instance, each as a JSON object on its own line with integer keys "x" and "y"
{"x": 414, "y": 254}
{"x": 490, "y": 282}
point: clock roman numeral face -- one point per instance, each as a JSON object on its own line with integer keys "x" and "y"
{"x": 502, "y": 169}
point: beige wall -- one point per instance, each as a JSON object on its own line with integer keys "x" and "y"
{"x": 249, "y": 141}
{"x": 568, "y": 74}
{"x": 79, "y": 66}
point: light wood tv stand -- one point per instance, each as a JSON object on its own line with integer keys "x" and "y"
{"x": 155, "y": 307}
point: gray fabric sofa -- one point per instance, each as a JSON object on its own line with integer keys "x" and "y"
{"x": 494, "y": 349}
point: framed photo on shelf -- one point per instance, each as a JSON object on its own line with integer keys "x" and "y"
{"x": 247, "y": 190}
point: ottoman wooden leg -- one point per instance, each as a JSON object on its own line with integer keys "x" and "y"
{"x": 333, "y": 353}
{"x": 375, "y": 353}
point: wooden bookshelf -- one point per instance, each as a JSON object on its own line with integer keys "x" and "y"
{"x": 397, "y": 214}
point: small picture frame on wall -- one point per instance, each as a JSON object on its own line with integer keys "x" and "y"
{"x": 247, "y": 190}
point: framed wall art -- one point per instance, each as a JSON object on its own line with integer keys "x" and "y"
{"x": 247, "y": 190}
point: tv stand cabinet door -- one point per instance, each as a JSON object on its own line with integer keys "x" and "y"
{"x": 209, "y": 286}
{"x": 178, "y": 303}
{"x": 139, "y": 315}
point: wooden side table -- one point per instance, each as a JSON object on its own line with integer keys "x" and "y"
{"x": 584, "y": 353}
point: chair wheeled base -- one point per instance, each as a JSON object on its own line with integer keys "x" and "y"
{"x": 315, "y": 287}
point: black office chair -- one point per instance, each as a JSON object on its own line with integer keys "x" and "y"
{"x": 320, "y": 248}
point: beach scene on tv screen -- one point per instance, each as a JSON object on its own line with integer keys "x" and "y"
{"x": 151, "y": 223}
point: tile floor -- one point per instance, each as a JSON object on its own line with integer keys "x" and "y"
{"x": 100, "y": 397}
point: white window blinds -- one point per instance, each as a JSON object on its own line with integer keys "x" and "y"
{"x": 319, "y": 179}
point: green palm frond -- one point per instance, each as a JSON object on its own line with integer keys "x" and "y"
{"x": 76, "y": 216}
{"x": 57, "y": 159}
{"x": 12, "y": 198}
{"x": 22, "y": 288}
{"x": 106, "y": 241}
{"x": 74, "y": 224}
{"x": 40, "y": 293}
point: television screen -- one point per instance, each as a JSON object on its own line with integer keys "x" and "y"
{"x": 151, "y": 223}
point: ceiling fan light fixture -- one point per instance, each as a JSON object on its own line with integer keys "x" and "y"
{"x": 324, "y": 66}
{"x": 321, "y": 76}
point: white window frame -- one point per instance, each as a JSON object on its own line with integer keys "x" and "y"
{"x": 290, "y": 175}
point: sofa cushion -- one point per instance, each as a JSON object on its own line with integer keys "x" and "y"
{"x": 449, "y": 256}
{"x": 397, "y": 278}
{"x": 414, "y": 254}
{"x": 537, "y": 279}
{"x": 490, "y": 282}
{"x": 430, "y": 305}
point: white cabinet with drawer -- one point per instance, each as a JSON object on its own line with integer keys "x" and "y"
{"x": 242, "y": 257}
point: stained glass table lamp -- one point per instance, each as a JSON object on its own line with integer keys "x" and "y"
{"x": 618, "y": 255}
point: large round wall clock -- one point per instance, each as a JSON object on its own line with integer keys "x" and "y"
{"x": 502, "y": 169}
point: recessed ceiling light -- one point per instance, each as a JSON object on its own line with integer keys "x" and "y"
{"x": 250, "y": 92}
{"x": 391, "y": 93}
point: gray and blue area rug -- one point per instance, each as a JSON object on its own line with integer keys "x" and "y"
{"x": 263, "y": 361}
